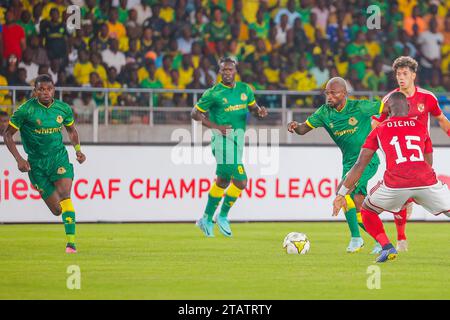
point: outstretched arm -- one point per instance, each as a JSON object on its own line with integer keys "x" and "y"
{"x": 352, "y": 178}
{"x": 75, "y": 141}
{"x": 22, "y": 164}
{"x": 299, "y": 128}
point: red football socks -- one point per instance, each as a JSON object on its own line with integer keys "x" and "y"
{"x": 400, "y": 223}
{"x": 374, "y": 226}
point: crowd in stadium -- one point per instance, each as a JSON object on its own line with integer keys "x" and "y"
{"x": 279, "y": 45}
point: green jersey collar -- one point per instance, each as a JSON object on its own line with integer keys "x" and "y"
{"x": 43, "y": 105}
{"x": 228, "y": 87}
{"x": 346, "y": 102}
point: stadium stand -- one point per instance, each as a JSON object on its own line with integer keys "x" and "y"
{"x": 175, "y": 44}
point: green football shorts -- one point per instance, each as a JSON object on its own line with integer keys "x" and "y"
{"x": 231, "y": 172}
{"x": 361, "y": 185}
{"x": 45, "y": 171}
{"x": 229, "y": 165}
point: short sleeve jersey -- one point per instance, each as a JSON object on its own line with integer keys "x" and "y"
{"x": 40, "y": 126}
{"x": 404, "y": 141}
{"x": 348, "y": 128}
{"x": 422, "y": 103}
{"x": 228, "y": 106}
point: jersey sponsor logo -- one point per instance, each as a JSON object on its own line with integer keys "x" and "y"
{"x": 344, "y": 132}
{"x": 353, "y": 121}
{"x": 47, "y": 130}
{"x": 61, "y": 170}
{"x": 235, "y": 108}
{"x": 421, "y": 107}
{"x": 243, "y": 97}
{"x": 59, "y": 119}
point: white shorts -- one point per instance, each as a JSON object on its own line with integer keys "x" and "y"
{"x": 435, "y": 199}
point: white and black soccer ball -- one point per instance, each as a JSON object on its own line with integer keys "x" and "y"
{"x": 296, "y": 243}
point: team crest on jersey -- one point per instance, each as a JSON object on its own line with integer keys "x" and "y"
{"x": 243, "y": 97}
{"x": 225, "y": 100}
{"x": 59, "y": 119}
{"x": 61, "y": 170}
{"x": 331, "y": 125}
{"x": 39, "y": 122}
{"x": 421, "y": 107}
{"x": 352, "y": 121}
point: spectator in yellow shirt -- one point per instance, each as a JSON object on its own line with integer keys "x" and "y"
{"x": 272, "y": 71}
{"x": 115, "y": 28}
{"x": 372, "y": 45}
{"x": 58, "y": 4}
{"x": 196, "y": 54}
{"x": 113, "y": 83}
{"x": 166, "y": 13}
{"x": 3, "y": 93}
{"x": 301, "y": 80}
{"x": 83, "y": 68}
{"x": 143, "y": 72}
{"x": 162, "y": 75}
{"x": 406, "y": 7}
{"x": 186, "y": 70}
{"x": 96, "y": 60}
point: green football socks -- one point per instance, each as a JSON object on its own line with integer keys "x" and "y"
{"x": 214, "y": 197}
{"x": 350, "y": 216}
{"x": 68, "y": 217}
{"x": 231, "y": 196}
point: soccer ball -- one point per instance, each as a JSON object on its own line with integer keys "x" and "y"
{"x": 296, "y": 243}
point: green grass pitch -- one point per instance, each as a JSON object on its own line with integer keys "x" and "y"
{"x": 174, "y": 261}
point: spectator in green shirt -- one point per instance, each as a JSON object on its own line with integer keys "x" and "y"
{"x": 358, "y": 54}
{"x": 217, "y": 29}
{"x": 101, "y": 11}
{"x": 123, "y": 12}
{"x": 151, "y": 82}
{"x": 360, "y": 25}
{"x": 394, "y": 16}
{"x": 261, "y": 25}
{"x": 27, "y": 24}
{"x": 376, "y": 79}
{"x": 88, "y": 8}
{"x": 305, "y": 10}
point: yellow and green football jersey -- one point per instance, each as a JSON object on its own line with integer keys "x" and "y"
{"x": 348, "y": 128}
{"x": 40, "y": 126}
{"x": 228, "y": 106}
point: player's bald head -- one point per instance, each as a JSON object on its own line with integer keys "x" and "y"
{"x": 337, "y": 83}
{"x": 398, "y": 104}
{"x": 336, "y": 92}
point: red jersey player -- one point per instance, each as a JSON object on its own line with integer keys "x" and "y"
{"x": 407, "y": 147}
{"x": 422, "y": 103}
